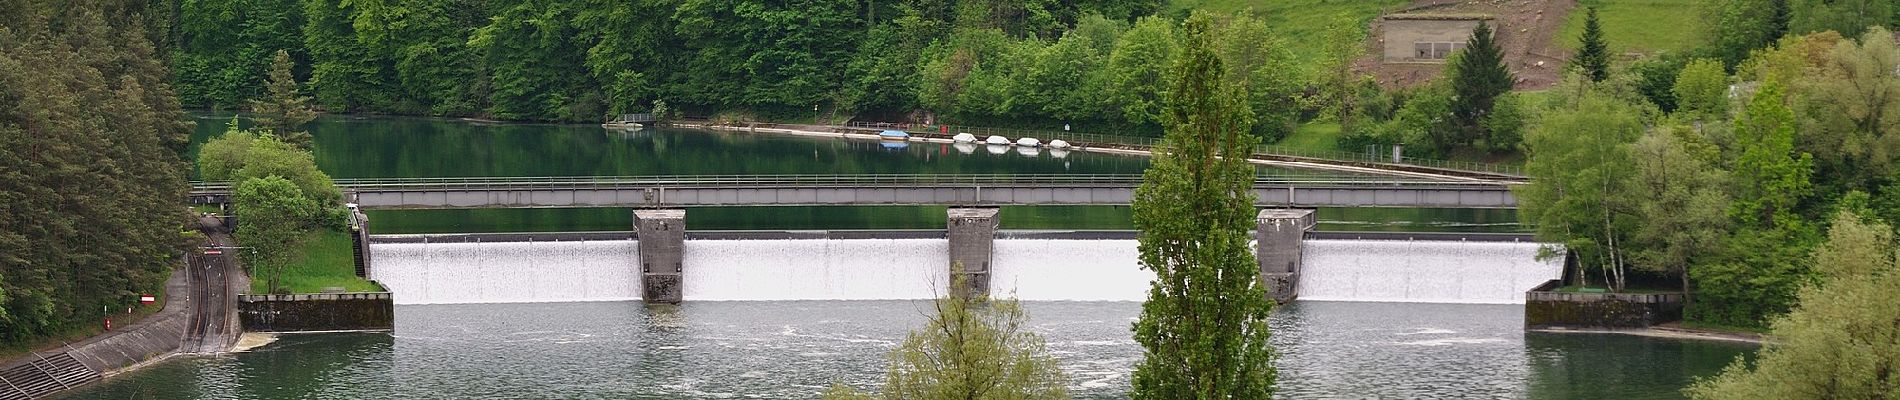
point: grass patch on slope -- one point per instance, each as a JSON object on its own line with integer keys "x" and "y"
{"x": 324, "y": 259}
{"x": 1302, "y": 22}
{"x": 1646, "y": 26}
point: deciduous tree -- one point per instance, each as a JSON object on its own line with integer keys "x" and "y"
{"x": 1580, "y": 165}
{"x": 974, "y": 348}
{"x": 272, "y": 214}
{"x": 1840, "y": 342}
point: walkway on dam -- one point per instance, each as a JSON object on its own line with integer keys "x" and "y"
{"x": 860, "y": 190}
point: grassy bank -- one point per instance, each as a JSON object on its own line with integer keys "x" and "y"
{"x": 1302, "y": 22}
{"x": 1645, "y": 26}
{"x": 323, "y": 260}
{"x": 76, "y": 334}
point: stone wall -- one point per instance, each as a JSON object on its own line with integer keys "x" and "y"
{"x": 317, "y": 312}
{"x": 1546, "y": 308}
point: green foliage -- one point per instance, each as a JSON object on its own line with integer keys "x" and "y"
{"x": 1684, "y": 216}
{"x": 1770, "y": 176}
{"x": 1477, "y": 77}
{"x": 1655, "y": 79}
{"x": 1204, "y": 326}
{"x": 1137, "y": 69}
{"x": 272, "y": 214}
{"x": 1850, "y": 116}
{"x": 1593, "y": 55}
{"x": 239, "y": 156}
{"x": 282, "y": 112}
{"x": 89, "y": 140}
{"x": 972, "y": 348}
{"x": 1701, "y": 90}
{"x": 1580, "y": 164}
{"x": 1740, "y": 26}
{"x": 1849, "y": 17}
{"x": 1256, "y": 60}
{"x": 1840, "y": 342}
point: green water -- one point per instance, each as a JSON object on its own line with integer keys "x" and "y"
{"x": 395, "y": 147}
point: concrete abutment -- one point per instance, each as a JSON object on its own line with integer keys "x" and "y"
{"x": 1278, "y": 236}
{"x": 972, "y": 233}
{"x": 661, "y": 238}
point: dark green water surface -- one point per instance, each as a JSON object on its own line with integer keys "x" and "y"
{"x": 795, "y": 349}
{"x": 392, "y": 147}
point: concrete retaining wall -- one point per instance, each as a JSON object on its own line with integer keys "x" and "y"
{"x": 317, "y": 312}
{"x": 1545, "y": 308}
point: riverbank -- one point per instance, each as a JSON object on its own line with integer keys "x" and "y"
{"x": 1121, "y": 149}
{"x": 1668, "y": 331}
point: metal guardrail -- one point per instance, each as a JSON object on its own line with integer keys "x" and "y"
{"x": 1145, "y": 141}
{"x": 904, "y": 180}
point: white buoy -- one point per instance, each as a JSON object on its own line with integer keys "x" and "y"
{"x": 964, "y": 138}
{"x": 1028, "y": 142}
{"x": 998, "y": 140}
{"x": 1058, "y": 144}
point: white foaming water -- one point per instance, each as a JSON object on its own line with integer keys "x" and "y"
{"x": 1422, "y": 271}
{"x": 507, "y": 272}
{"x": 1090, "y": 270}
{"x": 892, "y": 269}
{"x": 843, "y": 269}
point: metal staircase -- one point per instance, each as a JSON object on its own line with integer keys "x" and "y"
{"x": 44, "y": 377}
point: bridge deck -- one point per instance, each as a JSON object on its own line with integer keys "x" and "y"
{"x": 806, "y": 190}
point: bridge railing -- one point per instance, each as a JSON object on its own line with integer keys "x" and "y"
{"x": 869, "y": 180}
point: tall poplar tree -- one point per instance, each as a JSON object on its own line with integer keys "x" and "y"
{"x": 1204, "y": 325}
{"x": 1593, "y": 58}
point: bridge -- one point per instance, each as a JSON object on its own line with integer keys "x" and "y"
{"x": 810, "y": 190}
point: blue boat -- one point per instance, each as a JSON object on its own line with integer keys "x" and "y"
{"x": 893, "y": 135}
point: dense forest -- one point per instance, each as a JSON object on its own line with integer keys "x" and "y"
{"x": 90, "y": 173}
{"x": 1048, "y": 62}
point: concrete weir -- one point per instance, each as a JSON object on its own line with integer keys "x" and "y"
{"x": 1279, "y": 235}
{"x": 972, "y": 244}
{"x": 661, "y": 238}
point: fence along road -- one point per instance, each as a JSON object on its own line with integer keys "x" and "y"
{"x": 808, "y": 190}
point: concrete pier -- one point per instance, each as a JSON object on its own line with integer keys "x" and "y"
{"x": 359, "y": 242}
{"x": 1279, "y": 234}
{"x": 972, "y": 233}
{"x": 661, "y": 235}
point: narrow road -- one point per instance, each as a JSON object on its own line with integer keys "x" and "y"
{"x": 214, "y": 281}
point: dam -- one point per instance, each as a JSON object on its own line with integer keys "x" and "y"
{"x": 424, "y": 269}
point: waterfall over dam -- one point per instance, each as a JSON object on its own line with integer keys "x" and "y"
{"x": 911, "y": 268}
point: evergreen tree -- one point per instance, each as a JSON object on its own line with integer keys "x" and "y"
{"x": 1478, "y": 77}
{"x": 282, "y": 111}
{"x": 1204, "y": 325}
{"x": 1593, "y": 57}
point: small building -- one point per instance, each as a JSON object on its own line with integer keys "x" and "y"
{"x": 1427, "y": 38}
